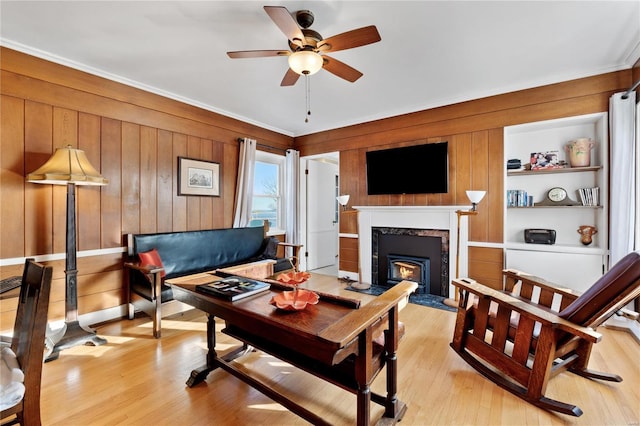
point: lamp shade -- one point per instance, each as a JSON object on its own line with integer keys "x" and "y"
{"x": 343, "y": 200}
{"x": 67, "y": 165}
{"x": 305, "y": 62}
{"x": 476, "y": 196}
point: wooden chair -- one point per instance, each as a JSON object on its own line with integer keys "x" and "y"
{"x": 523, "y": 336}
{"x": 28, "y": 340}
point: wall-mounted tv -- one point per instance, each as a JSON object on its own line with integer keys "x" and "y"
{"x": 417, "y": 169}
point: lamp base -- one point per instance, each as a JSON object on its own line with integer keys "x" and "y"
{"x": 75, "y": 335}
{"x": 451, "y": 302}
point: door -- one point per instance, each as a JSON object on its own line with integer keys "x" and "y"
{"x": 322, "y": 227}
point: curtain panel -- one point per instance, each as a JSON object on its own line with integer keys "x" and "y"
{"x": 291, "y": 196}
{"x": 244, "y": 185}
{"x": 624, "y": 176}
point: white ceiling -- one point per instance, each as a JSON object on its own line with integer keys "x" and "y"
{"x": 432, "y": 53}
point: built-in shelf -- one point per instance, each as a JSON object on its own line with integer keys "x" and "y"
{"x": 552, "y": 171}
{"x": 567, "y": 262}
{"x": 559, "y": 248}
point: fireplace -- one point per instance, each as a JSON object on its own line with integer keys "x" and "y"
{"x": 435, "y": 221}
{"x": 426, "y": 250}
{"x": 409, "y": 268}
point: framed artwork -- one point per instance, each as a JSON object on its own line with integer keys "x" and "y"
{"x": 198, "y": 177}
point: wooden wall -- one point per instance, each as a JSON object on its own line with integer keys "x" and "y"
{"x": 474, "y": 130}
{"x": 133, "y": 138}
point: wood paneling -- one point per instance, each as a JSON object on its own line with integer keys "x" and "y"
{"x": 12, "y": 188}
{"x": 38, "y": 208}
{"x": 131, "y": 170}
{"x": 564, "y": 99}
{"x": 485, "y": 265}
{"x": 110, "y": 195}
{"x": 88, "y": 198}
{"x": 148, "y": 180}
{"x": 349, "y": 254}
{"x": 474, "y": 131}
{"x": 164, "y": 212}
{"x": 28, "y": 76}
{"x": 133, "y": 138}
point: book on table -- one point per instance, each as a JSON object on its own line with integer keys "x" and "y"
{"x": 233, "y": 288}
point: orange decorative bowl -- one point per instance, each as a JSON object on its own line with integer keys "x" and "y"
{"x": 293, "y": 278}
{"x": 290, "y": 301}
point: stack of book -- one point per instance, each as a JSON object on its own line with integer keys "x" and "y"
{"x": 589, "y": 196}
{"x": 233, "y": 288}
{"x": 519, "y": 198}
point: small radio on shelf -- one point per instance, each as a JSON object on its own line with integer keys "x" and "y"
{"x": 540, "y": 236}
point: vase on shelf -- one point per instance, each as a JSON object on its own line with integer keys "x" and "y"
{"x": 586, "y": 234}
{"x": 579, "y": 151}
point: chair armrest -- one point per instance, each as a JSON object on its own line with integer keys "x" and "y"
{"x": 628, "y": 313}
{"x": 358, "y": 320}
{"x": 281, "y": 243}
{"x": 524, "y": 308}
{"x": 295, "y": 255}
{"x": 145, "y": 269}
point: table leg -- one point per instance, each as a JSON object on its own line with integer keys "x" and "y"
{"x": 213, "y": 361}
{"x": 391, "y": 340}
{"x": 363, "y": 405}
{"x": 200, "y": 374}
{"x": 394, "y": 409}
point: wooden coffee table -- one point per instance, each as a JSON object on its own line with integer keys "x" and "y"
{"x": 330, "y": 340}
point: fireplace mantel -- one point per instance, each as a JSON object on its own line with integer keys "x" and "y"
{"x": 417, "y": 217}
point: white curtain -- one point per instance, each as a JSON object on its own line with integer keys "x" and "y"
{"x": 244, "y": 186}
{"x": 637, "y": 244}
{"x": 624, "y": 177}
{"x": 291, "y": 196}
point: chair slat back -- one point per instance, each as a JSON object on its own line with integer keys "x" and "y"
{"x": 29, "y": 334}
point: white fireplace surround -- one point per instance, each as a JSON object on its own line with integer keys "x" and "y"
{"x": 416, "y": 217}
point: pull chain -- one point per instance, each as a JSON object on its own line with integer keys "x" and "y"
{"x": 307, "y": 86}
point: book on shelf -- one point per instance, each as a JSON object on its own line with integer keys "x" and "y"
{"x": 519, "y": 198}
{"x": 233, "y": 288}
{"x": 589, "y": 196}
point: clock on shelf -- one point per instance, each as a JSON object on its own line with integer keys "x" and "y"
{"x": 557, "y": 196}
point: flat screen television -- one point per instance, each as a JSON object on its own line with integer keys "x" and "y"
{"x": 417, "y": 169}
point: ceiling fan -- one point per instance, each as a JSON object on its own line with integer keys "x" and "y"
{"x": 307, "y": 54}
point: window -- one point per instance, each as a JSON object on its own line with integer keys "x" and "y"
{"x": 268, "y": 187}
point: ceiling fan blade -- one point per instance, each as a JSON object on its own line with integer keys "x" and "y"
{"x": 257, "y": 53}
{"x": 340, "y": 69}
{"x": 287, "y": 24}
{"x": 350, "y": 39}
{"x": 290, "y": 78}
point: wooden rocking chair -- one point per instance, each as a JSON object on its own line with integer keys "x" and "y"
{"x": 521, "y": 337}
{"x": 28, "y": 341}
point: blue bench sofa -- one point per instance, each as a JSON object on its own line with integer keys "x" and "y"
{"x": 190, "y": 252}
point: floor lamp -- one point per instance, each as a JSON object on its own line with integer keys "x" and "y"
{"x": 69, "y": 166}
{"x": 475, "y": 197}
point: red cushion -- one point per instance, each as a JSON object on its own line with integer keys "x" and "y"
{"x": 151, "y": 257}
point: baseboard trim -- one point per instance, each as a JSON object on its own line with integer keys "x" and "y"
{"x": 93, "y": 319}
{"x": 354, "y": 276}
{"x": 624, "y": 324}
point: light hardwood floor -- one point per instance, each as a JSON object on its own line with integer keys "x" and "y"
{"x": 137, "y": 380}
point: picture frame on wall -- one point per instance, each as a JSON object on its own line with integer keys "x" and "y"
{"x": 198, "y": 177}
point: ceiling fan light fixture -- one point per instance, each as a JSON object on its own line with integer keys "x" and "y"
{"x": 305, "y": 62}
